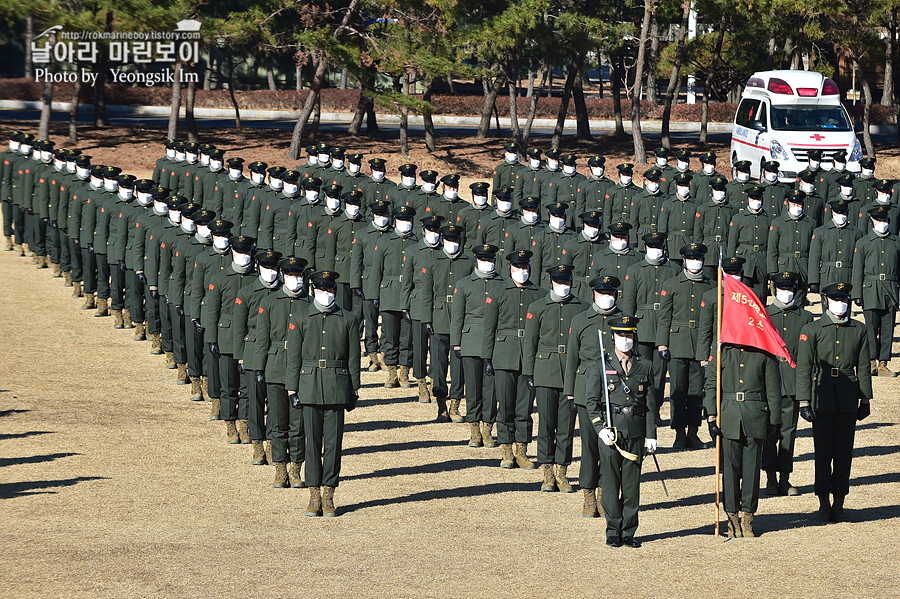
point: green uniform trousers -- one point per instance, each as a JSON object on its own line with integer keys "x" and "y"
{"x": 286, "y": 428}
{"x": 256, "y": 408}
{"x": 442, "y": 361}
{"x": 179, "y": 344}
{"x": 833, "y": 434}
{"x": 556, "y": 426}
{"x": 589, "y": 472}
{"x": 324, "y": 426}
{"x": 880, "y": 332}
{"x": 396, "y": 338}
{"x": 686, "y": 396}
{"x": 621, "y": 486}
{"x": 515, "y": 403}
{"x": 370, "y": 315}
{"x": 778, "y": 449}
{"x": 740, "y": 477}
{"x": 420, "y": 347}
{"x": 233, "y": 401}
{"x": 481, "y": 404}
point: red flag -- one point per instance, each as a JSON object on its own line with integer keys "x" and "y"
{"x": 745, "y": 321}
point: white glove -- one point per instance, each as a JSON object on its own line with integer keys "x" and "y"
{"x": 651, "y": 445}
{"x": 607, "y": 436}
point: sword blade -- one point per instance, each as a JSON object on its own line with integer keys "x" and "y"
{"x": 661, "y": 479}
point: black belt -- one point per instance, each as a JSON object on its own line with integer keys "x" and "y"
{"x": 752, "y": 248}
{"x": 836, "y": 264}
{"x": 323, "y": 364}
{"x": 881, "y": 277}
{"x": 628, "y": 410}
{"x": 653, "y": 306}
{"x": 559, "y": 349}
{"x": 743, "y": 396}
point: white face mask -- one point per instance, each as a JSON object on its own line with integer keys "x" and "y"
{"x": 204, "y": 159}
{"x": 479, "y": 200}
{"x": 785, "y": 296}
{"x": 718, "y": 195}
{"x": 241, "y": 260}
{"x": 552, "y": 164}
{"x": 174, "y": 217}
{"x": 682, "y": 165}
{"x": 683, "y": 190}
{"x": 880, "y": 226}
{"x": 511, "y": 157}
{"x": 604, "y": 301}
{"x": 203, "y": 231}
{"x": 352, "y": 210}
{"x": 403, "y": 226}
{"x": 504, "y": 206}
{"x": 337, "y": 164}
{"x": 569, "y": 169}
{"x": 325, "y": 298}
{"x": 234, "y": 174}
{"x": 294, "y": 283}
{"x": 144, "y": 198}
{"x": 324, "y": 159}
{"x": 754, "y": 205}
{"x": 882, "y": 198}
{"x": 408, "y": 181}
{"x": 428, "y": 187}
{"x": 312, "y": 160}
{"x": 179, "y": 156}
{"x": 558, "y": 222}
{"x": 561, "y": 289}
{"x": 450, "y": 194}
{"x": 377, "y": 175}
{"x": 625, "y": 180}
{"x": 14, "y": 146}
{"x": 451, "y": 247}
{"x": 743, "y": 177}
{"x": 529, "y": 216}
{"x": 654, "y": 254}
{"x": 334, "y": 204}
{"x": 651, "y": 186}
{"x": 268, "y": 274}
{"x": 868, "y": 172}
{"x": 291, "y": 189}
{"x": 380, "y": 221}
{"x": 257, "y": 178}
{"x": 597, "y": 171}
{"x": 96, "y": 182}
{"x": 807, "y": 188}
{"x": 837, "y": 307}
{"x": 839, "y": 219}
{"x": 709, "y": 169}
{"x": 737, "y": 277}
{"x": 192, "y": 158}
{"x": 534, "y": 163}
{"x": 59, "y": 165}
{"x": 354, "y": 168}
{"x": 623, "y": 344}
{"x": 662, "y": 162}
{"x": 275, "y": 183}
{"x": 170, "y": 153}
{"x": 771, "y": 177}
{"x": 591, "y": 232}
{"x": 814, "y": 164}
{"x": 431, "y": 237}
{"x": 126, "y": 194}
{"x": 215, "y": 165}
{"x": 46, "y": 155}
{"x": 82, "y": 172}
{"x": 160, "y": 208}
{"x": 846, "y": 191}
{"x": 519, "y": 275}
{"x": 110, "y": 185}
{"x": 795, "y": 210}
{"x": 840, "y": 166}
{"x": 485, "y": 266}
{"x": 312, "y": 196}
{"x": 693, "y": 265}
{"x": 25, "y": 149}
{"x": 187, "y": 225}
{"x": 618, "y": 244}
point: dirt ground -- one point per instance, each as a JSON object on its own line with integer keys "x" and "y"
{"x": 113, "y": 484}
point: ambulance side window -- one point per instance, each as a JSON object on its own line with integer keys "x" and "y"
{"x": 763, "y": 117}
{"x": 747, "y": 112}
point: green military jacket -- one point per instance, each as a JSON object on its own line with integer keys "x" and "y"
{"x": 363, "y": 258}
{"x": 400, "y": 195}
{"x": 645, "y": 213}
{"x": 323, "y": 356}
{"x": 833, "y": 370}
{"x": 627, "y": 389}
{"x": 332, "y": 175}
{"x": 831, "y": 253}
{"x": 667, "y": 180}
{"x": 751, "y": 392}
{"x": 422, "y": 202}
{"x": 30, "y": 181}
{"x": 580, "y": 253}
{"x": 749, "y": 239}
{"x": 736, "y": 193}
{"x": 439, "y": 276}
{"x": 565, "y": 190}
{"x": 876, "y": 272}
{"x": 68, "y": 183}
{"x": 530, "y": 183}
{"x": 505, "y": 174}
{"x": 789, "y": 242}
{"x": 676, "y": 220}
{"x": 187, "y": 179}
{"x": 549, "y": 251}
{"x": 158, "y": 258}
{"x": 274, "y": 222}
{"x": 206, "y": 184}
{"x": 161, "y": 171}
{"x": 329, "y": 243}
{"x": 789, "y": 321}
{"x": 218, "y": 318}
{"x": 471, "y": 218}
{"x": 411, "y": 287}
{"x": 498, "y": 229}
{"x": 467, "y": 312}
{"x": 208, "y": 264}
{"x": 864, "y": 188}
{"x": 375, "y": 191}
{"x": 254, "y": 204}
{"x": 865, "y": 222}
{"x": 127, "y": 232}
{"x": 523, "y": 237}
{"x": 451, "y": 210}
{"x": 618, "y": 203}
{"x": 390, "y": 267}
{"x": 234, "y": 197}
{"x": 112, "y": 211}
{"x": 583, "y": 348}
{"x": 181, "y": 286}
{"x": 245, "y": 320}
{"x": 711, "y": 227}
{"x": 774, "y": 195}
{"x": 505, "y": 318}
{"x": 591, "y": 194}
{"x": 7, "y": 160}
{"x": 350, "y": 182}
{"x": 615, "y": 264}
{"x": 276, "y": 313}
{"x": 679, "y": 315}
{"x": 547, "y": 326}
{"x": 302, "y": 214}
{"x": 641, "y": 289}
{"x": 700, "y": 186}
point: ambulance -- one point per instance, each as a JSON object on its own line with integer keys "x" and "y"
{"x": 785, "y": 114}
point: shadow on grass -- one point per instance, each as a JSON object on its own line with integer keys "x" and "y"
{"x": 408, "y": 445}
{"x": 380, "y": 425}
{"x": 447, "y": 466}
{"x": 36, "y": 459}
{"x": 5, "y": 436}
{"x": 10, "y": 490}
{"x": 475, "y": 491}
{"x": 10, "y": 412}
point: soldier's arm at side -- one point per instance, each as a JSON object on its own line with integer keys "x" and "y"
{"x": 773, "y": 389}
{"x": 457, "y": 315}
{"x": 195, "y": 280}
{"x": 859, "y": 267}
{"x": 652, "y": 404}
{"x": 772, "y": 253}
{"x": 815, "y": 259}
{"x": 665, "y": 317}
{"x": 594, "y": 398}
{"x": 708, "y": 317}
{"x": 709, "y": 388}
{"x": 294, "y": 354}
{"x": 426, "y": 294}
{"x": 355, "y": 352}
{"x": 573, "y": 347}
{"x": 489, "y": 331}
{"x": 733, "y": 234}
{"x": 263, "y": 338}
{"x": 806, "y": 360}
{"x": 863, "y": 374}
{"x": 240, "y": 316}
{"x": 532, "y": 338}
{"x": 629, "y": 290}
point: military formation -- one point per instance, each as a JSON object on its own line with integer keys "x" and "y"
{"x": 267, "y": 289}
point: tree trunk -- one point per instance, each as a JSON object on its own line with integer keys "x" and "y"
{"x": 490, "y": 99}
{"x": 653, "y": 59}
{"x": 795, "y": 58}
{"x": 887, "y": 93}
{"x": 101, "y": 119}
{"x": 316, "y": 117}
{"x": 29, "y": 35}
{"x": 426, "y": 116}
{"x": 73, "y": 110}
{"x": 344, "y": 76}
{"x": 582, "y": 124}
{"x": 615, "y": 80}
{"x": 294, "y": 152}
{"x": 365, "y": 104}
{"x": 640, "y": 154}
{"x": 532, "y": 109}
{"x": 175, "y": 106}
{"x": 531, "y": 76}
{"x": 788, "y": 51}
{"x": 867, "y": 109}
{"x": 189, "y": 122}
{"x": 675, "y": 76}
{"x": 770, "y": 48}
{"x": 47, "y": 97}
{"x": 564, "y": 103}
{"x": 513, "y": 88}
{"x": 237, "y": 110}
{"x": 404, "y": 118}
{"x": 270, "y": 73}
{"x": 717, "y": 56}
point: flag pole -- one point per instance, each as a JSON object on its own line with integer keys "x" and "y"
{"x": 719, "y": 301}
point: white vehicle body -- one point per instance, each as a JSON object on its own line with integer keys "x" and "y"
{"x": 785, "y": 114}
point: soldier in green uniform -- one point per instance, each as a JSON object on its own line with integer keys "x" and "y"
{"x": 8, "y": 158}
{"x": 551, "y": 170}
{"x": 876, "y": 272}
{"x": 466, "y": 326}
{"x": 682, "y": 166}
{"x": 334, "y": 174}
{"x": 302, "y": 213}
{"x": 592, "y": 191}
{"x": 246, "y": 319}
{"x": 19, "y": 168}
{"x": 641, "y": 296}
{"x": 323, "y": 378}
{"x": 581, "y": 251}
{"x": 565, "y": 186}
{"x": 411, "y": 287}
{"x": 389, "y": 268}
{"x": 503, "y": 340}
{"x": 661, "y": 161}
{"x": 582, "y": 348}
{"x": 426, "y": 196}
{"x": 648, "y": 205}
{"x": 377, "y": 187}
{"x": 732, "y": 266}
{"x": 354, "y": 179}
{"x": 838, "y": 171}
{"x": 472, "y": 216}
{"x": 713, "y": 222}
{"x": 788, "y": 319}
{"x": 548, "y": 247}
{"x": 356, "y": 223}
{"x": 700, "y": 183}
{"x": 620, "y": 402}
{"x": 218, "y": 322}
{"x": 814, "y": 204}
{"x": 207, "y": 181}
{"x": 677, "y": 340}
{"x": 736, "y": 189}
{"x": 439, "y": 276}
{"x": 361, "y": 279}
{"x": 678, "y": 214}
{"x": 815, "y": 167}
{"x": 324, "y": 162}
{"x": 505, "y": 172}
{"x": 530, "y": 178}
{"x": 330, "y": 241}
{"x": 159, "y": 323}
{"x": 136, "y": 219}
{"x": 530, "y": 227}
{"x": 502, "y": 223}
{"x": 105, "y": 240}
{"x": 254, "y": 200}
{"x": 543, "y": 363}
{"x": 277, "y": 313}
{"x": 618, "y": 255}
{"x": 183, "y": 225}
{"x": 449, "y": 205}
{"x": 403, "y": 193}
{"x": 789, "y": 240}
{"x": 844, "y": 190}
{"x": 750, "y": 410}
{"x": 883, "y": 190}
{"x": 160, "y": 174}
{"x": 864, "y": 184}
{"x": 749, "y": 237}
{"x": 832, "y": 247}
{"x": 273, "y": 210}
{"x": 774, "y": 191}
{"x": 834, "y": 392}
{"x": 71, "y": 222}
{"x": 312, "y": 163}
{"x": 619, "y": 200}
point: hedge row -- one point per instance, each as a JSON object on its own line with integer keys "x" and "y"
{"x": 337, "y": 100}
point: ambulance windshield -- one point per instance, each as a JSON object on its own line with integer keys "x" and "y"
{"x": 810, "y": 118}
